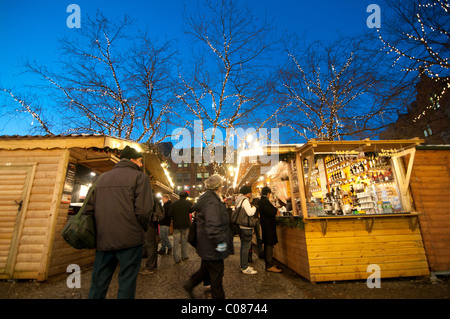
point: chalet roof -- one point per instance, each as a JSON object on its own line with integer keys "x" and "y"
{"x": 97, "y": 151}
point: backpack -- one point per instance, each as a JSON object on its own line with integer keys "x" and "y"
{"x": 158, "y": 211}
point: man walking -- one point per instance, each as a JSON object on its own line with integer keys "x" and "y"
{"x": 180, "y": 211}
{"x": 121, "y": 202}
{"x": 214, "y": 239}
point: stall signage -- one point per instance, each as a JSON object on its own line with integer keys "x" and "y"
{"x": 383, "y": 153}
{"x": 347, "y": 152}
{"x": 68, "y": 184}
{"x": 389, "y": 153}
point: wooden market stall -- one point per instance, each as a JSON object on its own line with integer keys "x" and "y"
{"x": 430, "y": 187}
{"x": 42, "y": 181}
{"x": 352, "y": 208}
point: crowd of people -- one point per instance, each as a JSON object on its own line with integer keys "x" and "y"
{"x": 131, "y": 222}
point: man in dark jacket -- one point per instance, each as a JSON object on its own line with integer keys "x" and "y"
{"x": 214, "y": 238}
{"x": 180, "y": 211}
{"x": 121, "y": 202}
{"x": 268, "y": 227}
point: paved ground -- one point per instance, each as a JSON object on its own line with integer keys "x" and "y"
{"x": 166, "y": 283}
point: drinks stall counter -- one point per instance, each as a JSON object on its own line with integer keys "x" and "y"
{"x": 352, "y": 212}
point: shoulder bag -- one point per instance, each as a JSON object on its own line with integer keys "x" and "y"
{"x": 79, "y": 232}
{"x": 242, "y": 219}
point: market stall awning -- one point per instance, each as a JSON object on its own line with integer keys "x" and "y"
{"x": 365, "y": 145}
{"x": 250, "y": 166}
{"x": 98, "y": 152}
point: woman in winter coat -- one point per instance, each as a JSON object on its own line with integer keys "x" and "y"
{"x": 214, "y": 239}
{"x": 268, "y": 228}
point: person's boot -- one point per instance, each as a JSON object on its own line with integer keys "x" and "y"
{"x": 169, "y": 251}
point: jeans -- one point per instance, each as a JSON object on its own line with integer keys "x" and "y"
{"x": 180, "y": 235}
{"x": 246, "y": 242}
{"x": 209, "y": 270}
{"x": 164, "y": 236}
{"x": 104, "y": 266}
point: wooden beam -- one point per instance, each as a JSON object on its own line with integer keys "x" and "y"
{"x": 53, "y": 216}
{"x": 301, "y": 184}
{"x": 403, "y": 178}
{"x": 291, "y": 184}
{"x": 20, "y": 219}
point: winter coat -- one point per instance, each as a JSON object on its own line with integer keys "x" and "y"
{"x": 267, "y": 219}
{"x": 213, "y": 227}
{"x": 167, "y": 220}
{"x": 180, "y": 211}
{"x": 122, "y": 203}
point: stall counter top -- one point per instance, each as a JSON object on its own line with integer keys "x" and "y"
{"x": 364, "y": 216}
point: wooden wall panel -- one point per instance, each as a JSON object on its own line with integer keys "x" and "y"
{"x": 291, "y": 249}
{"x": 35, "y": 228}
{"x": 346, "y": 249}
{"x": 62, "y": 254}
{"x": 430, "y": 187}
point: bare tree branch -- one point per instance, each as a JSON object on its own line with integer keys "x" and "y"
{"x": 109, "y": 83}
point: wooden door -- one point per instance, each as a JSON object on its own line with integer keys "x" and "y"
{"x": 15, "y": 187}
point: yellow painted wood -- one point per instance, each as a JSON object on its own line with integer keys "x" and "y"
{"x": 347, "y": 249}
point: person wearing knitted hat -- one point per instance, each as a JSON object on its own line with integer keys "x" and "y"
{"x": 214, "y": 238}
{"x": 246, "y": 231}
{"x": 132, "y": 154}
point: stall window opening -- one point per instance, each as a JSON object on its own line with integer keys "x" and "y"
{"x": 352, "y": 185}
{"x": 84, "y": 178}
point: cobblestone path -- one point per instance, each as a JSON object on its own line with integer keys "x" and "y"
{"x": 166, "y": 282}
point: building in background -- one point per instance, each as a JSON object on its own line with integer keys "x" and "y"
{"x": 188, "y": 177}
{"x": 428, "y": 117}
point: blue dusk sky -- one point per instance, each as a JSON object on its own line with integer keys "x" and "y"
{"x": 31, "y": 29}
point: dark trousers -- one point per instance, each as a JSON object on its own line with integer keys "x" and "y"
{"x": 151, "y": 247}
{"x": 209, "y": 270}
{"x": 104, "y": 266}
{"x": 268, "y": 255}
